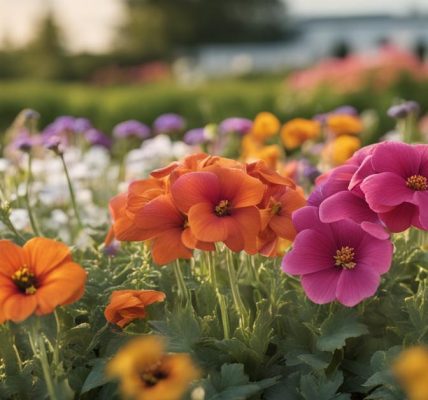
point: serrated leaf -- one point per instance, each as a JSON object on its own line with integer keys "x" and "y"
{"x": 337, "y": 328}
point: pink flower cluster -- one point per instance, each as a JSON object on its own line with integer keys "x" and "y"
{"x": 343, "y": 245}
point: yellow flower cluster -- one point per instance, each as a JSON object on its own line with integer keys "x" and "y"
{"x": 411, "y": 370}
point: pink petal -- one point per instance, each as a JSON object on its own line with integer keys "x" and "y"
{"x": 321, "y": 286}
{"x": 422, "y": 199}
{"x": 346, "y": 205}
{"x": 400, "y": 218}
{"x": 347, "y": 233}
{"x": 400, "y": 158}
{"x": 355, "y": 285}
{"x": 375, "y": 229}
{"x": 363, "y": 172}
{"x": 386, "y": 190}
{"x": 307, "y": 218}
{"x": 312, "y": 252}
{"x": 374, "y": 255}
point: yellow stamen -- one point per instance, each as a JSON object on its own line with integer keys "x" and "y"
{"x": 222, "y": 208}
{"x": 345, "y": 258}
{"x": 417, "y": 182}
{"x": 25, "y": 280}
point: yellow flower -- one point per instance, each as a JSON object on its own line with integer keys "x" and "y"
{"x": 146, "y": 372}
{"x": 265, "y": 126}
{"x": 411, "y": 369}
{"x": 341, "y": 149}
{"x": 343, "y": 124}
{"x": 297, "y": 131}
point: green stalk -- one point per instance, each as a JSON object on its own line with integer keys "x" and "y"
{"x": 183, "y": 293}
{"x": 71, "y": 190}
{"x": 224, "y": 315}
{"x": 27, "y": 197}
{"x": 38, "y": 346}
{"x": 239, "y": 305}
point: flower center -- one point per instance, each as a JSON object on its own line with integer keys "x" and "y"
{"x": 417, "y": 182}
{"x": 222, "y": 208}
{"x": 25, "y": 280}
{"x": 345, "y": 258}
{"x": 276, "y": 208}
{"x": 151, "y": 376}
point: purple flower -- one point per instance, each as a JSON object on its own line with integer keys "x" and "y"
{"x": 66, "y": 127}
{"x": 235, "y": 125}
{"x": 54, "y": 143}
{"x": 345, "y": 110}
{"x": 98, "y": 138}
{"x": 131, "y": 128}
{"x": 337, "y": 261}
{"x": 398, "y": 187}
{"x": 169, "y": 124}
{"x": 25, "y": 142}
{"x": 403, "y": 110}
{"x": 195, "y": 136}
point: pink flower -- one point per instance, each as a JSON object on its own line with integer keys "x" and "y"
{"x": 398, "y": 188}
{"x": 337, "y": 261}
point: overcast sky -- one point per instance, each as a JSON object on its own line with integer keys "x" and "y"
{"x": 89, "y": 24}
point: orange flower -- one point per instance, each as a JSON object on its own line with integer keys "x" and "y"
{"x": 297, "y": 131}
{"x": 221, "y": 206}
{"x": 146, "y": 372}
{"x": 343, "y": 124}
{"x": 127, "y": 305}
{"x": 279, "y": 204}
{"x": 265, "y": 126}
{"x": 167, "y": 227}
{"x": 37, "y": 278}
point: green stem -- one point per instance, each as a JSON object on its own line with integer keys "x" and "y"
{"x": 224, "y": 315}
{"x": 27, "y": 197}
{"x": 38, "y": 346}
{"x": 239, "y": 305}
{"x": 211, "y": 270}
{"x": 183, "y": 293}
{"x": 72, "y": 194}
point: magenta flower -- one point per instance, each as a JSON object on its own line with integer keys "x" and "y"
{"x": 337, "y": 261}
{"x": 398, "y": 188}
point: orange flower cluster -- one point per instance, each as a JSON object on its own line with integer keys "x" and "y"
{"x": 37, "y": 278}
{"x": 203, "y": 200}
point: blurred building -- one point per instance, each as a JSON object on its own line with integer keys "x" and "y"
{"x": 314, "y": 38}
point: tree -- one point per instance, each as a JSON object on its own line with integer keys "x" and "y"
{"x": 156, "y": 28}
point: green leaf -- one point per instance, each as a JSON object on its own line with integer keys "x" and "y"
{"x": 96, "y": 377}
{"x": 322, "y": 388}
{"x": 337, "y": 328}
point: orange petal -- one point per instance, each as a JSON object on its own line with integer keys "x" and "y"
{"x": 238, "y": 187}
{"x": 158, "y": 216}
{"x": 61, "y": 286}
{"x": 283, "y": 227}
{"x": 190, "y": 241}
{"x": 19, "y": 307}
{"x": 169, "y": 247}
{"x": 206, "y": 225}
{"x": 248, "y": 221}
{"x": 12, "y": 257}
{"x": 194, "y": 188}
{"x": 44, "y": 255}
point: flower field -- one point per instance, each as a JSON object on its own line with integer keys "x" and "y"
{"x": 248, "y": 259}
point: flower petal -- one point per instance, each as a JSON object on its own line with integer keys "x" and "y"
{"x": 312, "y": 252}
{"x": 385, "y": 191}
{"x": 19, "y": 307}
{"x": 399, "y": 158}
{"x": 374, "y": 254}
{"x": 346, "y": 205}
{"x": 400, "y": 218}
{"x": 12, "y": 257}
{"x": 355, "y": 285}
{"x": 194, "y": 188}
{"x": 169, "y": 247}
{"x": 206, "y": 225}
{"x": 321, "y": 286}
{"x": 46, "y": 254}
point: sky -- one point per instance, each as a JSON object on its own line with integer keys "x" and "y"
{"x": 89, "y": 24}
